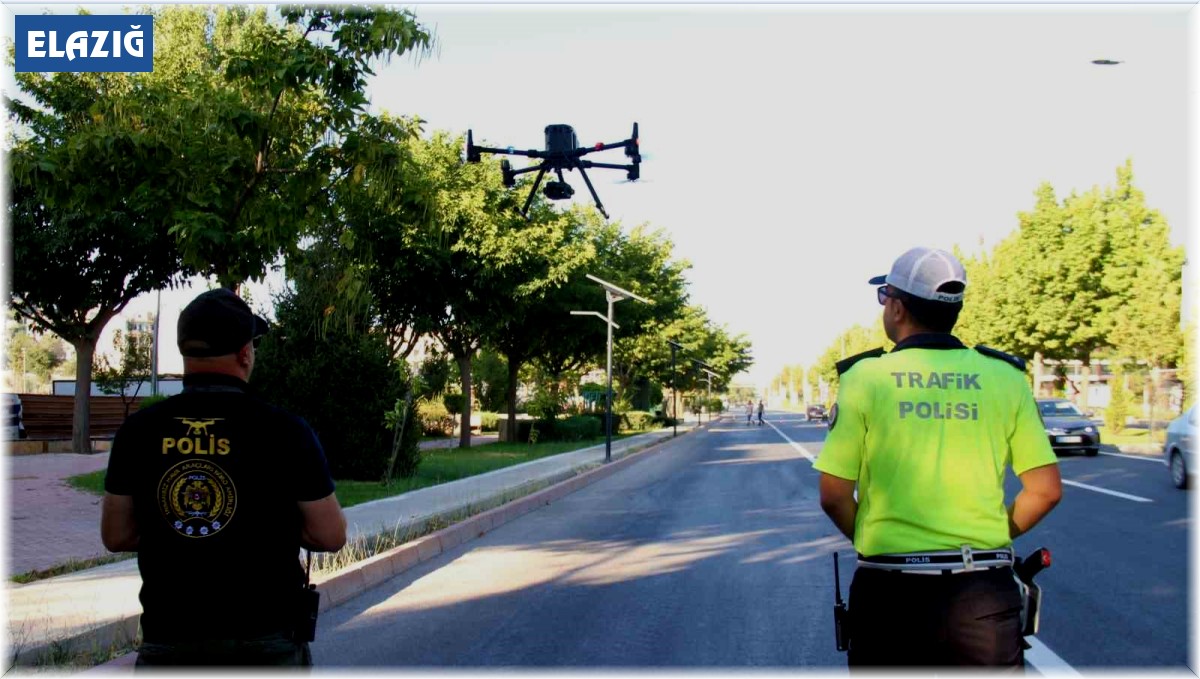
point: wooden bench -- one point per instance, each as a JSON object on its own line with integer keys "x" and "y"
{"x": 50, "y": 417}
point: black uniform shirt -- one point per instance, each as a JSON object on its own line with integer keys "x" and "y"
{"x": 215, "y": 475}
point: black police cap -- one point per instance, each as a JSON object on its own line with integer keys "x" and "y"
{"x": 217, "y": 323}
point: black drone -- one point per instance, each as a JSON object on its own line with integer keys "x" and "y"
{"x": 563, "y": 152}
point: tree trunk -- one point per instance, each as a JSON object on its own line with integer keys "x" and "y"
{"x": 398, "y": 437}
{"x": 1154, "y": 374}
{"x": 1037, "y": 374}
{"x": 81, "y": 439}
{"x": 464, "y": 369}
{"x": 1087, "y": 381}
{"x": 514, "y": 367}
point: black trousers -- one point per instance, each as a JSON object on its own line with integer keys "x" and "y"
{"x": 275, "y": 650}
{"x": 918, "y": 620}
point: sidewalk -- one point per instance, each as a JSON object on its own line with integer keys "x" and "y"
{"x": 98, "y": 607}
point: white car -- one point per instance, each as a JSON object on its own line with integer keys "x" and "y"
{"x": 1180, "y": 448}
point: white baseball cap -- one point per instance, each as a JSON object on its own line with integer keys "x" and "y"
{"x": 921, "y": 271}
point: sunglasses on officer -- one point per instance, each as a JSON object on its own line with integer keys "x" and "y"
{"x": 256, "y": 340}
{"x": 883, "y": 292}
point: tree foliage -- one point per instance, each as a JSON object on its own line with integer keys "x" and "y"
{"x": 342, "y": 380}
{"x": 132, "y": 368}
{"x": 1089, "y": 276}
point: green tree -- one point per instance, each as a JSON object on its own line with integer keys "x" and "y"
{"x": 490, "y": 377}
{"x": 30, "y": 356}
{"x": 850, "y": 342}
{"x": 280, "y": 106}
{"x": 342, "y": 379}
{"x": 434, "y": 372}
{"x": 1187, "y": 365}
{"x": 82, "y": 249}
{"x": 1119, "y": 401}
{"x": 132, "y": 368}
{"x": 546, "y": 283}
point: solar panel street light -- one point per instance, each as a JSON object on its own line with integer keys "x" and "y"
{"x": 613, "y": 294}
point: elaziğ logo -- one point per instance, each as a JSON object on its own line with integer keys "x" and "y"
{"x": 84, "y": 43}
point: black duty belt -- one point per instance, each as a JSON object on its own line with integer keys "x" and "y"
{"x": 964, "y": 560}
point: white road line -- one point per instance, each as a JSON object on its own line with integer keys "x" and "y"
{"x": 1127, "y": 496}
{"x": 1147, "y": 458}
{"x": 1047, "y": 662}
{"x": 799, "y": 448}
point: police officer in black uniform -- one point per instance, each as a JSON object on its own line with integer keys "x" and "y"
{"x": 217, "y": 492}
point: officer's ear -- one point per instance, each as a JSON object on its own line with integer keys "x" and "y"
{"x": 245, "y": 355}
{"x": 895, "y": 307}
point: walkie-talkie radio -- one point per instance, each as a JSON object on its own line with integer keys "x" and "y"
{"x": 1031, "y": 594}
{"x": 308, "y": 604}
{"x": 841, "y": 627}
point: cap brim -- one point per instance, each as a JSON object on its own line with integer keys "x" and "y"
{"x": 878, "y": 280}
{"x": 260, "y": 326}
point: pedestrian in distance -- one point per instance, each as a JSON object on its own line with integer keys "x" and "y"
{"x": 749, "y": 412}
{"x": 760, "y": 412}
{"x": 217, "y": 492}
{"x": 926, "y": 432}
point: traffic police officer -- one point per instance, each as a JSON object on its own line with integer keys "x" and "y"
{"x": 926, "y": 433}
{"x": 217, "y": 492}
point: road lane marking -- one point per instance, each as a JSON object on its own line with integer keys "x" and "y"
{"x": 1135, "y": 498}
{"x": 1047, "y": 662}
{"x": 799, "y": 448}
{"x": 1148, "y": 458}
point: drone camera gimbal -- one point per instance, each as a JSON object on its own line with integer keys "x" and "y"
{"x": 562, "y": 152}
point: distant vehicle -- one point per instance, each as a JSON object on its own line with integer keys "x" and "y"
{"x": 1179, "y": 450}
{"x": 1068, "y": 428}
{"x": 817, "y": 412}
{"x": 14, "y": 427}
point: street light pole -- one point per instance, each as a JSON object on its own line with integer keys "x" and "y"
{"x": 708, "y": 374}
{"x": 674, "y": 394}
{"x": 613, "y": 294}
{"x": 608, "y": 393}
{"x": 154, "y": 350}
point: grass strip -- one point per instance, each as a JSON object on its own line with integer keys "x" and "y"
{"x": 451, "y": 464}
{"x": 92, "y": 482}
{"x": 69, "y": 566}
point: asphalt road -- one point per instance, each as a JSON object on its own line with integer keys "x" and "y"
{"x": 713, "y": 552}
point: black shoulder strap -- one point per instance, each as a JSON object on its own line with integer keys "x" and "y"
{"x": 847, "y": 363}
{"x": 1014, "y": 361}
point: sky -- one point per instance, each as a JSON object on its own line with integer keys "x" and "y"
{"x": 792, "y": 152}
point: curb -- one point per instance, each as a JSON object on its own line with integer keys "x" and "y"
{"x": 338, "y": 588}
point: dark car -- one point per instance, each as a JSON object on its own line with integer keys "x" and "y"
{"x": 817, "y": 412}
{"x": 1068, "y": 428}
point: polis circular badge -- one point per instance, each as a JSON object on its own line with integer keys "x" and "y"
{"x": 197, "y": 498}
